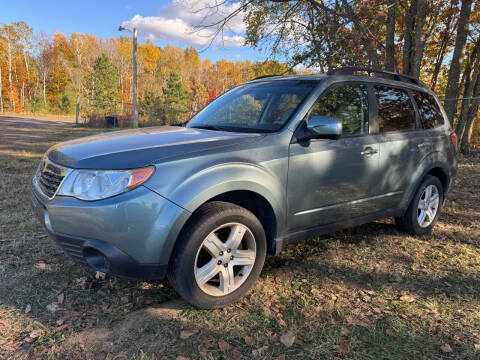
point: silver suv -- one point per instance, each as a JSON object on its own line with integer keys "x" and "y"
{"x": 276, "y": 160}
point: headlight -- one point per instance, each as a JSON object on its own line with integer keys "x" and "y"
{"x": 101, "y": 184}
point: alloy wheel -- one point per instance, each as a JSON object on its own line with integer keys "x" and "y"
{"x": 225, "y": 259}
{"x": 428, "y": 206}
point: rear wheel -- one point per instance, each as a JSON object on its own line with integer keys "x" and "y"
{"x": 423, "y": 211}
{"x": 219, "y": 256}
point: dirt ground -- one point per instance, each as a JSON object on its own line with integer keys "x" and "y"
{"x": 370, "y": 292}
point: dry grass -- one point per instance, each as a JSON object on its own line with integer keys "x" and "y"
{"x": 366, "y": 293}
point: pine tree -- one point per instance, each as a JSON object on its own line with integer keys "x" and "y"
{"x": 105, "y": 82}
{"x": 175, "y": 94}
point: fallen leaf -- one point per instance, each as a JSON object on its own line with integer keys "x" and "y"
{"x": 446, "y": 348}
{"x": 28, "y": 308}
{"x": 370, "y": 292}
{"x": 40, "y": 265}
{"x": 40, "y": 351}
{"x": 223, "y": 345}
{"x": 343, "y": 349}
{"x": 208, "y": 342}
{"x": 36, "y": 333}
{"x": 62, "y": 328}
{"x": 248, "y": 340}
{"x": 53, "y": 307}
{"x": 281, "y": 322}
{"x": 280, "y": 357}
{"x": 407, "y": 298}
{"x": 236, "y": 354}
{"x": 185, "y": 334}
{"x": 120, "y": 355}
{"x": 477, "y": 346}
{"x": 100, "y": 275}
{"x": 260, "y": 351}
{"x": 287, "y": 339}
{"x": 61, "y": 298}
{"x": 81, "y": 282}
{"x": 345, "y": 331}
{"x": 389, "y": 332}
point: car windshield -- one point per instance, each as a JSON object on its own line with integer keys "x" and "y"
{"x": 254, "y": 107}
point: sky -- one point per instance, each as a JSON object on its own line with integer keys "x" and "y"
{"x": 163, "y": 21}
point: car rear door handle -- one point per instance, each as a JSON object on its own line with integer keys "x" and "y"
{"x": 423, "y": 145}
{"x": 369, "y": 151}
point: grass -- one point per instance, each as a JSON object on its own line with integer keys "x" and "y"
{"x": 369, "y": 292}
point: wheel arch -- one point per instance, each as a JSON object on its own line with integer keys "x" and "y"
{"x": 434, "y": 165}
{"x": 242, "y": 184}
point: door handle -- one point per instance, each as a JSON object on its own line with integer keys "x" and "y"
{"x": 423, "y": 145}
{"x": 369, "y": 151}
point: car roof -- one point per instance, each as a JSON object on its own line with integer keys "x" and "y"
{"x": 350, "y": 74}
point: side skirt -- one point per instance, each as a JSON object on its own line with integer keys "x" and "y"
{"x": 281, "y": 242}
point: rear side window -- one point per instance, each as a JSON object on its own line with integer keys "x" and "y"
{"x": 395, "y": 110}
{"x": 348, "y": 103}
{"x": 429, "y": 111}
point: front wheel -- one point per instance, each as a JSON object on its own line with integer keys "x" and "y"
{"x": 423, "y": 212}
{"x": 219, "y": 255}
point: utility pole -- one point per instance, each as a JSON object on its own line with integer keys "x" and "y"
{"x": 77, "y": 112}
{"x": 135, "y": 109}
{"x": 134, "y": 95}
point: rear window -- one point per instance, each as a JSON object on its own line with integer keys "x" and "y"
{"x": 395, "y": 110}
{"x": 430, "y": 113}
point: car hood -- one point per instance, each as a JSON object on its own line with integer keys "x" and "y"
{"x": 141, "y": 147}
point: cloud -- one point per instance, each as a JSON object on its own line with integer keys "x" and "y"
{"x": 182, "y": 21}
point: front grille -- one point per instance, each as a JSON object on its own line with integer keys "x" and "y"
{"x": 49, "y": 177}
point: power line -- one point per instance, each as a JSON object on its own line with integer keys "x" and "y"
{"x": 467, "y": 98}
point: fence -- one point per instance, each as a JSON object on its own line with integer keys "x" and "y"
{"x": 95, "y": 113}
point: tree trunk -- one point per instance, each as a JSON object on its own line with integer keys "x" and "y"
{"x": 408, "y": 38}
{"x": 470, "y": 85}
{"x": 472, "y": 116}
{"x": 10, "y": 85}
{"x": 26, "y": 61}
{"x": 44, "y": 86}
{"x": 439, "y": 62}
{"x": 454, "y": 72}
{"x": 418, "y": 37}
{"x": 1, "y": 94}
{"x": 390, "y": 38}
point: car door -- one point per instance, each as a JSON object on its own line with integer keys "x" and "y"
{"x": 401, "y": 142}
{"x": 333, "y": 179}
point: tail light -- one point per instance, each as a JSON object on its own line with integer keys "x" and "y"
{"x": 454, "y": 139}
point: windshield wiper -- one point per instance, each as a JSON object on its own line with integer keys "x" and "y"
{"x": 208, "y": 127}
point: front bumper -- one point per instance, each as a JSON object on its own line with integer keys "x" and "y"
{"x": 130, "y": 235}
{"x": 105, "y": 257}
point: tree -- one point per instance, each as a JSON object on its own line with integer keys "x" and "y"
{"x": 105, "y": 84}
{"x": 454, "y": 72}
{"x": 175, "y": 96}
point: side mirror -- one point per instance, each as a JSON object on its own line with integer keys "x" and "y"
{"x": 325, "y": 126}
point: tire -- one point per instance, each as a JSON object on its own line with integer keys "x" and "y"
{"x": 411, "y": 221}
{"x": 199, "y": 254}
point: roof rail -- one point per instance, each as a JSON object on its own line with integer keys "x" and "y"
{"x": 265, "y": 76}
{"x": 352, "y": 70}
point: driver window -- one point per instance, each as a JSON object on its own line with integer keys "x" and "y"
{"x": 348, "y": 103}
